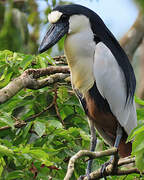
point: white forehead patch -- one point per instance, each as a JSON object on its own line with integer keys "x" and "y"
{"x": 54, "y": 16}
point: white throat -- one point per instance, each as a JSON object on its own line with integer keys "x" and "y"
{"x": 79, "y": 49}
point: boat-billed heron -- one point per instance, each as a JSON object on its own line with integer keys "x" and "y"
{"x": 101, "y": 74}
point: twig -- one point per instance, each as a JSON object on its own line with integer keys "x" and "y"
{"x": 56, "y": 106}
{"x": 60, "y": 58}
{"x": 40, "y": 113}
{"x": 126, "y": 161}
{"x": 17, "y": 125}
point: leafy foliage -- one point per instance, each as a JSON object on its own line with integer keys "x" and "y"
{"x": 51, "y": 126}
{"x": 138, "y": 135}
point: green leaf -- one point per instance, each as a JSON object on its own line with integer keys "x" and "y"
{"x": 39, "y": 154}
{"x": 138, "y": 144}
{"x": 7, "y": 120}
{"x": 55, "y": 124}
{"x": 26, "y": 129}
{"x": 140, "y": 114}
{"x": 39, "y": 128}
{"x": 63, "y": 94}
{"x": 2, "y": 165}
{"x": 15, "y": 174}
{"x": 139, "y": 101}
{"x": 136, "y": 131}
{"x": 140, "y": 160}
{"x": 5, "y": 151}
{"x": 5, "y": 79}
{"x": 47, "y": 58}
{"x": 42, "y": 62}
{"x": 26, "y": 61}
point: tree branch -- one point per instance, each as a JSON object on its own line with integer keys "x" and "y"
{"x": 37, "y": 73}
{"x": 133, "y": 38}
{"x": 126, "y": 161}
{"x": 90, "y": 154}
{"x": 111, "y": 170}
{"x": 29, "y": 80}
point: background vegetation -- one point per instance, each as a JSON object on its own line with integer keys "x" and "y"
{"x": 41, "y": 129}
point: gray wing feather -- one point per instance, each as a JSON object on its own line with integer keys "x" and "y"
{"x": 110, "y": 82}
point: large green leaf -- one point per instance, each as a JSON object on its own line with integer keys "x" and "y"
{"x": 18, "y": 174}
{"x": 39, "y": 128}
{"x": 4, "y": 151}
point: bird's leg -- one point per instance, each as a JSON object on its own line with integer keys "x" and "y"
{"x": 116, "y": 144}
{"x": 92, "y": 148}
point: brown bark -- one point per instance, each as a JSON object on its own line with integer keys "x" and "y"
{"x": 111, "y": 170}
{"x": 29, "y": 80}
{"x": 133, "y": 38}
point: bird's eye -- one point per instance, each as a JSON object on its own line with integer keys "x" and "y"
{"x": 64, "y": 17}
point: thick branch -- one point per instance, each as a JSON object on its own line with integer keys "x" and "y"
{"x": 126, "y": 161}
{"x": 38, "y": 84}
{"x": 36, "y": 73}
{"x": 111, "y": 170}
{"x": 29, "y": 80}
{"x": 133, "y": 37}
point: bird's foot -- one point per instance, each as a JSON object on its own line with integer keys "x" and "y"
{"x": 83, "y": 176}
{"x": 103, "y": 168}
{"x": 88, "y": 170}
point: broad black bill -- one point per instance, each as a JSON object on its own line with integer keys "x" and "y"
{"x": 54, "y": 34}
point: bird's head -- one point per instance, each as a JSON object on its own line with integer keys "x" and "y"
{"x": 66, "y": 19}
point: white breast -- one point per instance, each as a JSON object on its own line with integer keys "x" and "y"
{"x": 79, "y": 49}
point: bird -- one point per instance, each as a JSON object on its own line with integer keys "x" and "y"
{"x": 101, "y": 74}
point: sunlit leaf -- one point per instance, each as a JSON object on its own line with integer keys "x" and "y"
{"x": 5, "y": 151}
{"x": 15, "y": 174}
{"x": 139, "y": 101}
{"x": 39, "y": 128}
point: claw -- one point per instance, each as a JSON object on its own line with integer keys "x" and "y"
{"x": 83, "y": 176}
{"x": 88, "y": 176}
{"x": 103, "y": 169}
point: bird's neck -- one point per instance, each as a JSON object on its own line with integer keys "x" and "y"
{"x": 79, "y": 49}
